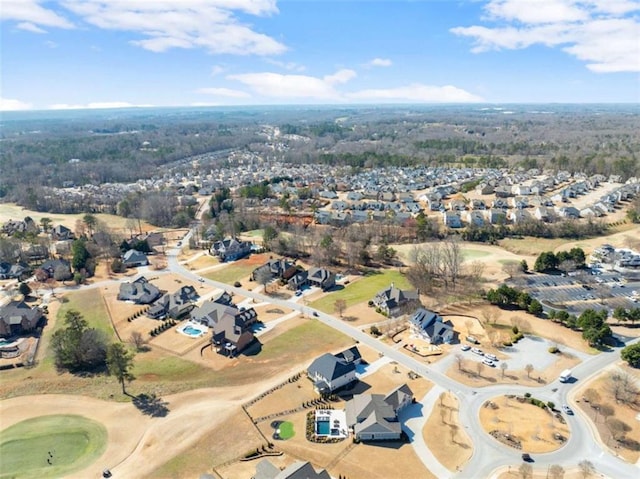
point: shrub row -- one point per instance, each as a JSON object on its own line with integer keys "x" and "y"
{"x": 163, "y": 327}
{"x": 137, "y": 314}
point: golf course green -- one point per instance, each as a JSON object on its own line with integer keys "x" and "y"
{"x": 50, "y": 446}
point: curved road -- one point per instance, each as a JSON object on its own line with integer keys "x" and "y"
{"x": 488, "y": 454}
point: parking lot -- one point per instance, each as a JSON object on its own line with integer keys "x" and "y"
{"x": 607, "y": 290}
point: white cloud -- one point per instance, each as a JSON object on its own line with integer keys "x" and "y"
{"x": 290, "y": 66}
{"x": 217, "y": 70}
{"x": 341, "y": 76}
{"x": 226, "y": 92}
{"x": 30, "y": 11}
{"x": 95, "y": 105}
{"x": 51, "y": 44}
{"x": 9, "y": 104}
{"x": 30, "y": 27}
{"x": 380, "y": 62}
{"x": 275, "y": 85}
{"x": 602, "y": 33}
{"x": 165, "y": 24}
{"x": 536, "y": 11}
{"x": 418, "y": 93}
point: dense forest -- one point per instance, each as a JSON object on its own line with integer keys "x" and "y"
{"x": 58, "y": 149}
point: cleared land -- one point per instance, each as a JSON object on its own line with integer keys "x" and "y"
{"x": 445, "y": 436}
{"x": 529, "y": 424}
{"x": 50, "y": 446}
{"x": 238, "y": 270}
{"x": 597, "y": 394}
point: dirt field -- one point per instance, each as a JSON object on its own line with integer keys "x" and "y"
{"x": 629, "y": 415}
{"x": 444, "y": 435}
{"x": 531, "y": 425}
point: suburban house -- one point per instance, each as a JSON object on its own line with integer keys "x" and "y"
{"x": 330, "y": 372}
{"x": 17, "y": 317}
{"x": 299, "y": 280}
{"x": 374, "y": 417}
{"x": 451, "y": 219}
{"x": 430, "y": 327}
{"x": 51, "y": 266}
{"x": 140, "y": 291}
{"x": 322, "y": 278}
{"x": 210, "y": 312}
{"x": 231, "y": 249}
{"x": 133, "y": 258}
{"x": 232, "y": 332}
{"x": 297, "y": 470}
{"x": 13, "y": 271}
{"x": 174, "y": 305}
{"x": 276, "y": 268}
{"x": 61, "y": 233}
{"x": 392, "y": 301}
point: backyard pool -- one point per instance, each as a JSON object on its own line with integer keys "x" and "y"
{"x": 323, "y": 428}
{"x": 193, "y": 330}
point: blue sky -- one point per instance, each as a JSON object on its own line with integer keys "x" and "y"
{"x": 119, "y": 53}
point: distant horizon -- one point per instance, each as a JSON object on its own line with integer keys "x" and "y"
{"x": 96, "y": 54}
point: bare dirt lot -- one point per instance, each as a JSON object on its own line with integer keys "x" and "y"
{"x": 531, "y": 425}
{"x": 444, "y": 435}
{"x": 598, "y": 396}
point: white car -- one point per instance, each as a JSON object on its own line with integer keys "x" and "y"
{"x": 477, "y": 351}
{"x": 465, "y": 347}
{"x": 491, "y": 357}
{"x": 201, "y": 280}
{"x": 488, "y": 362}
{"x": 567, "y": 410}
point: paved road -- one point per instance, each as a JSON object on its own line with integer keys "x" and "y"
{"x": 488, "y": 454}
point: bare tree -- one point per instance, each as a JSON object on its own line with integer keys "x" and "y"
{"x": 525, "y": 470}
{"x": 606, "y": 410}
{"x": 263, "y": 276}
{"x": 460, "y": 361}
{"x": 556, "y": 471}
{"x": 137, "y": 340}
{"x": 623, "y": 387}
{"x": 592, "y": 396}
{"x": 339, "y": 306}
{"x": 617, "y": 428}
{"x": 511, "y": 269}
{"x": 453, "y": 430}
{"x": 480, "y": 368}
{"x": 586, "y": 468}
{"x": 503, "y": 367}
{"x": 529, "y": 369}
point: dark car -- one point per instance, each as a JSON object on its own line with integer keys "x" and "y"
{"x": 315, "y": 314}
{"x": 526, "y": 457}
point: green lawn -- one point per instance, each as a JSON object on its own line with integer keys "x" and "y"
{"x": 90, "y": 304}
{"x": 286, "y": 430}
{"x": 73, "y": 441}
{"x": 231, "y": 273}
{"x": 471, "y": 254}
{"x": 362, "y": 290}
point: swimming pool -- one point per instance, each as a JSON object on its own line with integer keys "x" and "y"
{"x": 323, "y": 428}
{"x": 193, "y": 330}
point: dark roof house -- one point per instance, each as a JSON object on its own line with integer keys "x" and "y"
{"x": 322, "y": 278}
{"x": 133, "y": 258}
{"x": 174, "y": 305}
{"x": 330, "y": 372}
{"x": 374, "y": 417}
{"x": 18, "y": 318}
{"x": 232, "y": 332}
{"x": 231, "y": 249}
{"x": 431, "y": 327}
{"x": 392, "y": 300}
{"x": 140, "y": 291}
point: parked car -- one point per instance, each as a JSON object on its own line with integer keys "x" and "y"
{"x": 477, "y": 351}
{"x": 567, "y": 410}
{"x": 526, "y": 457}
{"x": 488, "y": 362}
{"x": 201, "y": 280}
{"x": 491, "y": 357}
{"x": 298, "y": 293}
{"x": 472, "y": 339}
{"x": 465, "y": 347}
